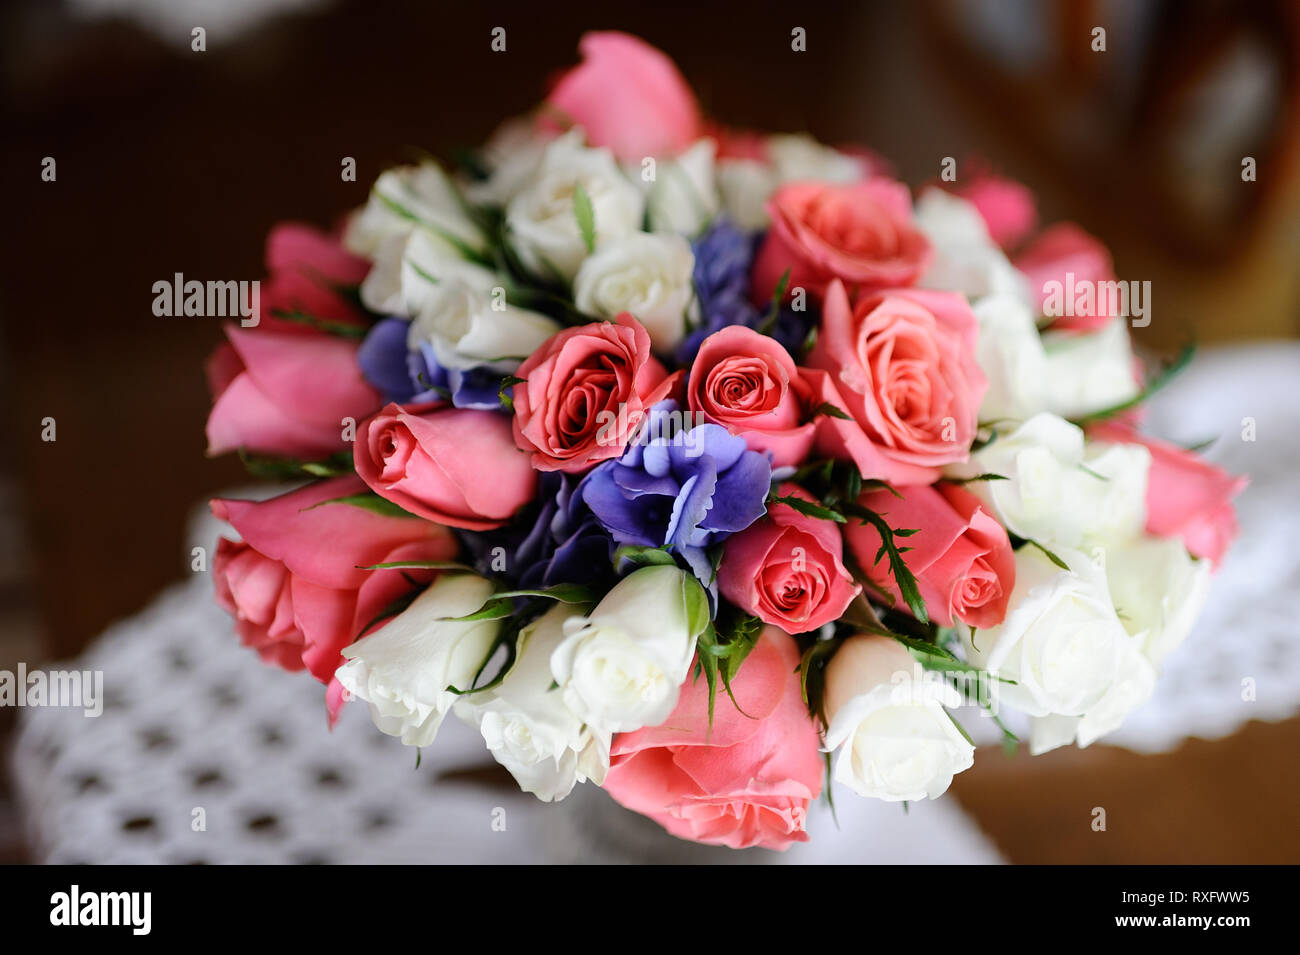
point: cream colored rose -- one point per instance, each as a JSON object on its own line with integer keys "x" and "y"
{"x": 647, "y": 274}
{"x": 466, "y": 328}
{"x": 411, "y": 196}
{"x": 542, "y": 220}
{"x": 621, "y": 667}
{"x": 405, "y": 668}
{"x": 890, "y": 733}
{"x": 1061, "y": 643}
{"x": 1059, "y": 490}
{"x": 526, "y": 724}
{"x": 408, "y": 268}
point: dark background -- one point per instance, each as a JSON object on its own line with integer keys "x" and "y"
{"x": 171, "y": 160}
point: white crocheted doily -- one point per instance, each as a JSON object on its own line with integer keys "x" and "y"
{"x": 193, "y": 720}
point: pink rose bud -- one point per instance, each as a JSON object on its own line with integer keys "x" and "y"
{"x": 585, "y": 392}
{"x": 285, "y": 392}
{"x": 1187, "y": 496}
{"x": 904, "y": 364}
{"x": 862, "y": 234}
{"x": 456, "y": 466}
{"x": 1067, "y": 255}
{"x": 1006, "y": 206}
{"x": 786, "y": 569}
{"x": 294, "y": 582}
{"x": 960, "y": 555}
{"x": 745, "y": 781}
{"x": 629, "y": 97}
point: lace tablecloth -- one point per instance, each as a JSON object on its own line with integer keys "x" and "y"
{"x": 196, "y": 729}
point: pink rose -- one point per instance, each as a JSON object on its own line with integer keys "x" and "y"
{"x": 281, "y": 386}
{"x": 629, "y": 97}
{"x": 748, "y": 780}
{"x": 456, "y": 466}
{"x": 1187, "y": 496}
{"x": 585, "y": 392}
{"x": 904, "y": 364}
{"x": 1062, "y": 249}
{"x": 861, "y": 233}
{"x": 285, "y": 392}
{"x": 786, "y": 569}
{"x": 293, "y": 582}
{"x": 1006, "y": 206}
{"x": 960, "y": 555}
{"x": 750, "y": 385}
{"x": 308, "y": 272}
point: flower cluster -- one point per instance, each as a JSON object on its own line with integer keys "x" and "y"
{"x": 673, "y": 457}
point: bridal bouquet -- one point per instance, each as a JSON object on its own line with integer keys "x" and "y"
{"x": 704, "y": 464}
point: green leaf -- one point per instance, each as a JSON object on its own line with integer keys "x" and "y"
{"x": 907, "y": 585}
{"x": 464, "y": 248}
{"x": 508, "y": 383}
{"x": 774, "y": 310}
{"x": 1018, "y": 542}
{"x": 808, "y": 508}
{"x": 1091, "y": 473}
{"x": 328, "y": 325}
{"x": 960, "y": 729}
{"x": 501, "y": 604}
{"x": 640, "y": 556}
{"x": 812, "y": 675}
{"x": 563, "y": 593}
{"x": 932, "y": 656}
{"x": 492, "y": 610}
{"x": 1166, "y": 374}
{"x": 988, "y": 476}
{"x": 392, "y": 609}
{"x": 830, "y": 410}
{"x": 281, "y": 468}
{"x": 369, "y": 501}
{"x": 586, "y": 216}
{"x": 419, "y": 565}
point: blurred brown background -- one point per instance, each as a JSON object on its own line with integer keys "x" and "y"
{"x": 170, "y": 160}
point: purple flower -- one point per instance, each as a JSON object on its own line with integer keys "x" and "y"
{"x": 557, "y": 541}
{"x": 723, "y": 258}
{"x": 410, "y": 377}
{"x": 683, "y": 489}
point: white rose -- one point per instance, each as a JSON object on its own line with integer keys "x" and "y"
{"x": 403, "y": 670}
{"x": 1159, "y": 590}
{"x": 622, "y": 667}
{"x": 647, "y": 274}
{"x": 965, "y": 258}
{"x": 1061, "y": 642}
{"x": 465, "y": 330}
{"x": 1091, "y": 371}
{"x": 512, "y": 154}
{"x": 1010, "y": 353}
{"x": 408, "y": 267}
{"x": 683, "y": 197}
{"x": 542, "y": 219}
{"x": 746, "y": 185}
{"x": 1133, "y": 685}
{"x": 797, "y": 156}
{"x": 894, "y": 737}
{"x": 1059, "y": 490}
{"x": 526, "y": 724}
{"x": 408, "y": 196}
